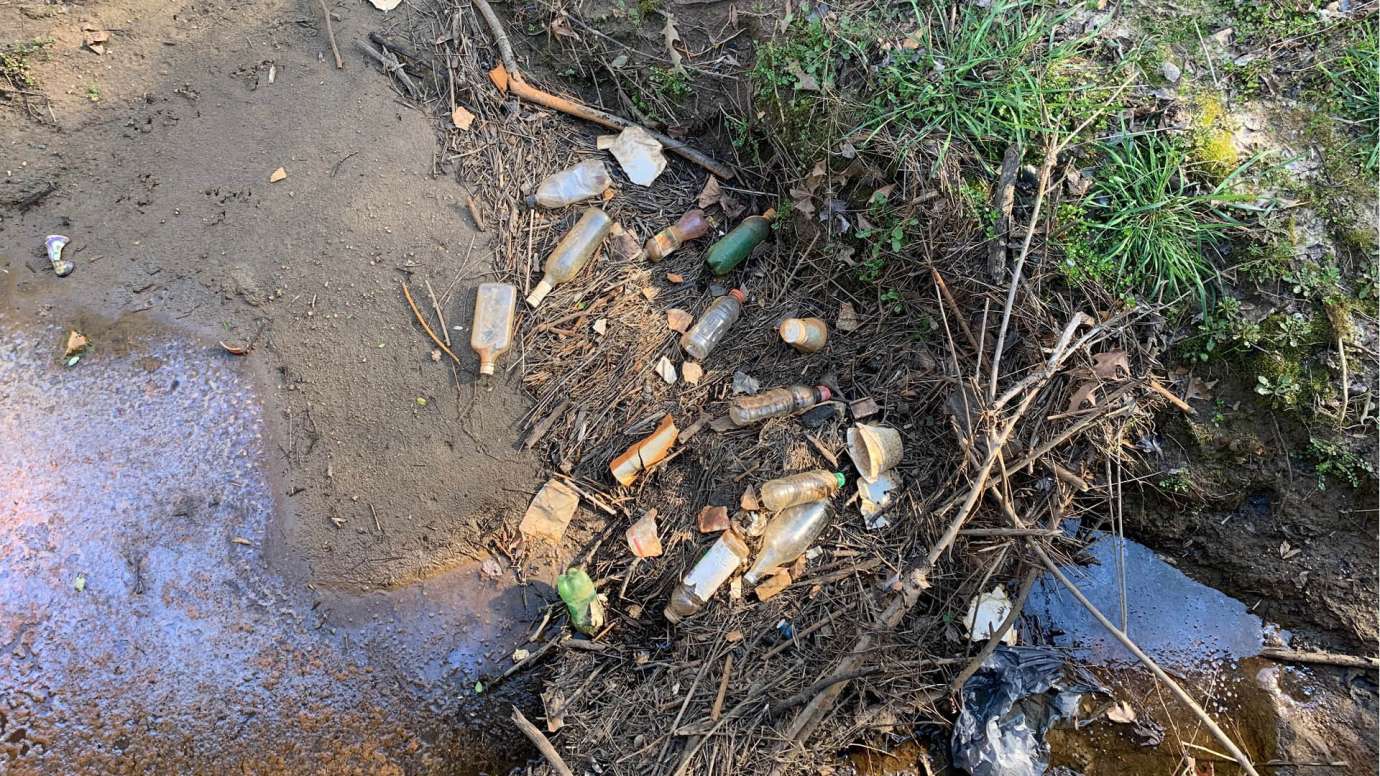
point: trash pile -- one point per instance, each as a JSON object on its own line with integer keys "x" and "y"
{"x": 776, "y": 501}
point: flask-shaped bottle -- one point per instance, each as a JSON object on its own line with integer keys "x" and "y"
{"x": 788, "y": 535}
{"x": 732, "y": 248}
{"x": 572, "y": 253}
{"x": 800, "y": 488}
{"x": 663, "y": 243}
{"x": 746, "y": 410}
{"x": 491, "y": 333}
{"x": 713, "y": 324}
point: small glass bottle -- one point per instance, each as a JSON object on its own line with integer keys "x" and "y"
{"x": 799, "y": 488}
{"x": 788, "y": 535}
{"x": 732, "y": 248}
{"x": 713, "y": 569}
{"x": 572, "y": 253}
{"x": 807, "y": 335}
{"x": 663, "y": 243}
{"x": 713, "y": 324}
{"x": 746, "y": 410}
{"x": 491, "y": 333}
{"x": 573, "y": 184}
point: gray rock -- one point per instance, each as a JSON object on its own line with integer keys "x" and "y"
{"x": 1171, "y": 72}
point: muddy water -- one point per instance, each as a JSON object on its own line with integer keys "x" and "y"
{"x": 141, "y": 629}
{"x": 1210, "y": 642}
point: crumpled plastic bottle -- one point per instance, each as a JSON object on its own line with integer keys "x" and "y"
{"x": 585, "y": 180}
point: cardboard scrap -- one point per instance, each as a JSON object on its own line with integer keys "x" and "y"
{"x": 550, "y": 512}
{"x": 769, "y": 587}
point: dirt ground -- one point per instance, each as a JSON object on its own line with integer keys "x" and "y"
{"x": 154, "y": 158}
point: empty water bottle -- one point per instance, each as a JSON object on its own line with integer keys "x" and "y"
{"x": 663, "y": 243}
{"x": 800, "y": 488}
{"x": 713, "y": 569}
{"x": 572, "y": 253}
{"x": 788, "y": 535}
{"x": 491, "y": 333}
{"x": 713, "y": 325}
{"x": 746, "y": 410}
{"x": 573, "y": 184}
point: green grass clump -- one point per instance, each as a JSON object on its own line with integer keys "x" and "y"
{"x": 1332, "y": 461}
{"x": 1153, "y": 222}
{"x": 987, "y": 77}
{"x": 1354, "y": 78}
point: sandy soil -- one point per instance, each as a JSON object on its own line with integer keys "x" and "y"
{"x": 383, "y": 474}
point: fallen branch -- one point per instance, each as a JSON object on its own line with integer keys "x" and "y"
{"x": 427, "y": 327}
{"x": 553, "y": 758}
{"x": 1217, "y": 732}
{"x": 1320, "y": 658}
{"x": 530, "y": 93}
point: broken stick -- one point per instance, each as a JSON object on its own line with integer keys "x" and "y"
{"x": 530, "y": 93}
{"x": 427, "y": 327}
{"x": 330, "y": 34}
{"x": 553, "y": 758}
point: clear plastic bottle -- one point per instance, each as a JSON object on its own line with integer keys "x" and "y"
{"x": 807, "y": 335}
{"x": 799, "y": 488}
{"x": 663, "y": 243}
{"x": 746, "y": 410}
{"x": 788, "y": 535}
{"x": 491, "y": 333}
{"x": 573, "y": 184}
{"x": 713, "y": 324}
{"x": 572, "y": 253}
{"x": 713, "y": 569}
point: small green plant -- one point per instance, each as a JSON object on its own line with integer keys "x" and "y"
{"x": 1283, "y": 391}
{"x": 1355, "y": 86}
{"x": 670, "y": 83}
{"x": 1177, "y": 481}
{"x": 1153, "y": 222}
{"x": 1331, "y": 460}
{"x": 93, "y": 92}
{"x": 16, "y": 62}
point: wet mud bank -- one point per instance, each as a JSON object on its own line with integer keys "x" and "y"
{"x": 142, "y": 628}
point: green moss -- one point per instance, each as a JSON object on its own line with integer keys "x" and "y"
{"x": 1214, "y": 146}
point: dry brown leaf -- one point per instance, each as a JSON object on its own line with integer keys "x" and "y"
{"x": 674, "y": 277}
{"x": 1122, "y": 713}
{"x": 561, "y": 27}
{"x": 1198, "y": 388}
{"x": 1082, "y": 394}
{"x": 709, "y": 195}
{"x": 804, "y": 82}
{"x": 678, "y": 319}
{"x": 671, "y": 36}
{"x": 772, "y": 585}
{"x": 749, "y": 501}
{"x": 691, "y": 372}
{"x": 461, "y": 117}
{"x": 1112, "y": 365}
{"x": 848, "y": 318}
{"x": 650, "y": 292}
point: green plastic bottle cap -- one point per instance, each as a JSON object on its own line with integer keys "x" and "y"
{"x": 839, "y": 477}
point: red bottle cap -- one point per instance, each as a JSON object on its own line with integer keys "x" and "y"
{"x": 824, "y": 393}
{"x": 738, "y": 294}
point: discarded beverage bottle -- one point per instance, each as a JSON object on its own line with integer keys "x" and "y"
{"x": 788, "y": 535}
{"x": 746, "y": 410}
{"x": 581, "y": 600}
{"x": 663, "y": 243}
{"x": 735, "y": 246}
{"x": 713, "y": 324}
{"x": 572, "y": 253}
{"x": 573, "y": 184}
{"x": 806, "y": 335}
{"x": 491, "y": 333}
{"x": 713, "y": 569}
{"x": 800, "y": 488}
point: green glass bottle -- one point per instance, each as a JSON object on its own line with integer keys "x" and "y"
{"x": 735, "y": 246}
{"x": 581, "y": 600}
